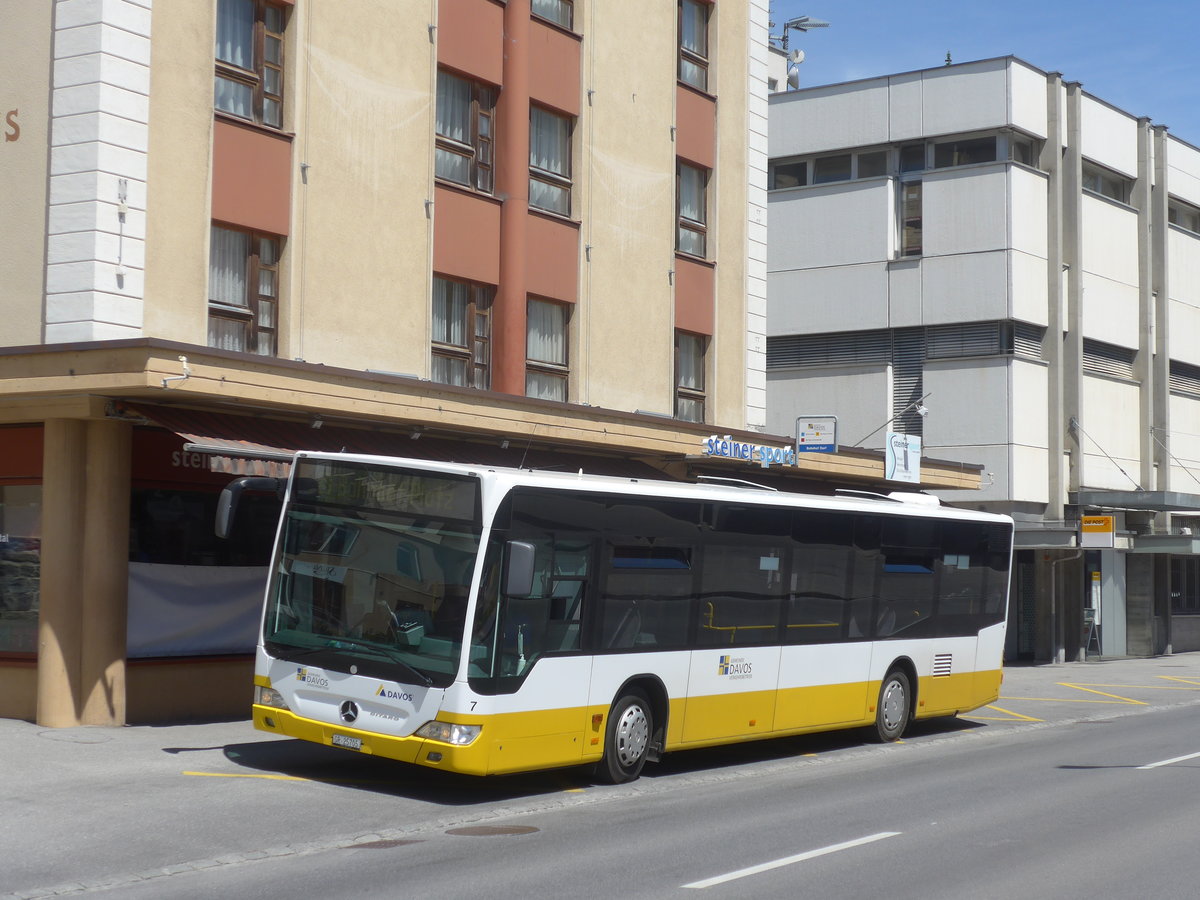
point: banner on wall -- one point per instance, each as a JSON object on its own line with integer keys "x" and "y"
{"x": 902, "y": 458}
{"x": 194, "y": 610}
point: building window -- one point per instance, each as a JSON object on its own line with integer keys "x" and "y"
{"x": 788, "y": 174}
{"x": 831, "y": 168}
{"x": 693, "y": 43}
{"x": 964, "y": 152}
{"x": 912, "y": 158}
{"x": 464, "y": 132}
{"x": 243, "y": 291}
{"x": 910, "y": 218}
{"x": 549, "y": 161}
{"x": 462, "y": 332}
{"x": 692, "y": 198}
{"x": 689, "y": 376}
{"x": 249, "y": 52}
{"x": 1023, "y": 150}
{"x": 20, "y": 566}
{"x": 872, "y": 164}
{"x": 1185, "y": 216}
{"x": 557, "y": 11}
{"x": 546, "y": 368}
{"x": 1105, "y": 183}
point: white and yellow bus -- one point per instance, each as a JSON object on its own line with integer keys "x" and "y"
{"x": 483, "y": 620}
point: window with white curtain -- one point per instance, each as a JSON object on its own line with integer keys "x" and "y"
{"x": 689, "y": 376}
{"x": 243, "y": 291}
{"x": 692, "y": 190}
{"x": 693, "y": 43}
{"x": 549, "y": 161}
{"x": 557, "y": 11}
{"x": 463, "y": 125}
{"x": 249, "y": 61}
{"x": 546, "y": 361}
{"x": 462, "y": 332}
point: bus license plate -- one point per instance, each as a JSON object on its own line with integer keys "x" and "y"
{"x": 350, "y": 743}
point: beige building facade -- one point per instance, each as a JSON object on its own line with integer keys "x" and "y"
{"x": 516, "y": 233}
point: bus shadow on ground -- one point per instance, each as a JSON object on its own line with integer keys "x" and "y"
{"x": 312, "y": 762}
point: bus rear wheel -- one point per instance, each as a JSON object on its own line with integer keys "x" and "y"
{"x": 894, "y": 707}
{"x": 626, "y": 739}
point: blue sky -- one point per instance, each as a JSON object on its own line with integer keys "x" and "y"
{"x": 1141, "y": 57}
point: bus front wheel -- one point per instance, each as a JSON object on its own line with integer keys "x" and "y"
{"x": 627, "y": 739}
{"x": 894, "y": 707}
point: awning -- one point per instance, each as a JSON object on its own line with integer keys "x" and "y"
{"x": 1150, "y": 501}
{"x": 259, "y": 445}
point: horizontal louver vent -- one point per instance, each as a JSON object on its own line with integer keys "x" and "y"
{"x": 1185, "y": 379}
{"x": 1107, "y": 359}
{"x": 942, "y": 664}
{"x": 1027, "y": 340}
{"x": 842, "y": 348}
{"x": 848, "y": 348}
{"x": 954, "y": 341}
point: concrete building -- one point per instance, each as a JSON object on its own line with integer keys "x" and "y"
{"x": 515, "y": 233}
{"x": 991, "y": 243}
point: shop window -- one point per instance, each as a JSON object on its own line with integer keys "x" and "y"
{"x": 249, "y": 61}
{"x": 464, "y": 152}
{"x": 462, "y": 333}
{"x": 243, "y": 291}
{"x": 174, "y": 528}
{"x": 546, "y": 349}
{"x": 693, "y": 43}
{"x": 20, "y": 566}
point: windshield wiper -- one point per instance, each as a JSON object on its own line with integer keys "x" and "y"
{"x": 335, "y": 643}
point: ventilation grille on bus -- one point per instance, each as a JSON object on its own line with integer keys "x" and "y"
{"x": 942, "y": 664}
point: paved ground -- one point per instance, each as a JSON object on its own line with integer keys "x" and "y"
{"x": 203, "y": 793}
{"x": 1030, "y": 695}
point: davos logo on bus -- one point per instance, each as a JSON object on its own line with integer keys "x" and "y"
{"x": 388, "y": 694}
{"x": 735, "y": 668}
{"x": 312, "y": 679}
{"x": 727, "y": 448}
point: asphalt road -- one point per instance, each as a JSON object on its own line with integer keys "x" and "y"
{"x": 1046, "y": 791}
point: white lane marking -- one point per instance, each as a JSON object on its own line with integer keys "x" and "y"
{"x": 1167, "y": 762}
{"x": 788, "y": 860}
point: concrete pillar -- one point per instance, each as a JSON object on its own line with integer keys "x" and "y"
{"x": 512, "y": 184}
{"x": 105, "y": 573}
{"x": 59, "y": 619}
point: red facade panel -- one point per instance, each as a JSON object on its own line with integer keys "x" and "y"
{"x": 252, "y": 178}
{"x": 695, "y": 127}
{"x": 470, "y": 38}
{"x": 466, "y": 236}
{"x": 554, "y": 68}
{"x": 695, "y": 284}
{"x": 552, "y": 263}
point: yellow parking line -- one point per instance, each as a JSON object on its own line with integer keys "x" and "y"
{"x": 1192, "y": 681}
{"x": 1007, "y": 712}
{"x": 247, "y": 775}
{"x": 1065, "y": 700}
{"x": 1080, "y": 687}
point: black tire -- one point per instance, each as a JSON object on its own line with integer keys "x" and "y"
{"x": 626, "y": 739}
{"x": 894, "y": 709}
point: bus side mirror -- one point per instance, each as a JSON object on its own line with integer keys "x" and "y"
{"x": 227, "y": 505}
{"x": 518, "y": 569}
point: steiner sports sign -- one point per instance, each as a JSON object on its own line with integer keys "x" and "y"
{"x": 728, "y": 448}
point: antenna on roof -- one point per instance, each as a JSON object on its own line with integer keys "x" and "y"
{"x": 949, "y": 61}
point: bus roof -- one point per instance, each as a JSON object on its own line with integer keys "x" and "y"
{"x": 731, "y": 491}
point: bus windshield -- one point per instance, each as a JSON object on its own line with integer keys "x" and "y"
{"x": 373, "y": 569}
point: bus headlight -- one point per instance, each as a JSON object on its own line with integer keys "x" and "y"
{"x": 448, "y": 733}
{"x": 265, "y": 696}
